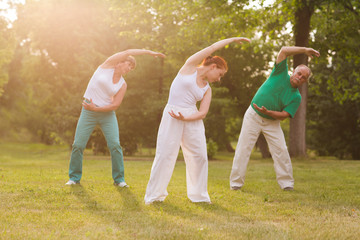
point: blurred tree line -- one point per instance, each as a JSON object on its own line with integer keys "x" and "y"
{"x": 50, "y": 52}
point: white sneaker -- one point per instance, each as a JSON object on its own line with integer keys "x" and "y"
{"x": 121, "y": 184}
{"x": 70, "y": 182}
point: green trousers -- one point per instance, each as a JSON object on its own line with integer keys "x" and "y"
{"x": 85, "y": 126}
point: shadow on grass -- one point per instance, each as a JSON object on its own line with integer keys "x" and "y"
{"x": 269, "y": 194}
{"x": 119, "y": 216}
{"x": 129, "y": 197}
{"x": 91, "y": 204}
{"x": 134, "y": 214}
{"x": 136, "y": 210}
{"x": 189, "y": 209}
{"x": 211, "y": 207}
{"x": 170, "y": 208}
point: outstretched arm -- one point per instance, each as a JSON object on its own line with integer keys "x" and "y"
{"x": 274, "y": 114}
{"x": 201, "y": 114}
{"x": 289, "y": 51}
{"x": 121, "y": 56}
{"x": 117, "y": 100}
{"x": 193, "y": 61}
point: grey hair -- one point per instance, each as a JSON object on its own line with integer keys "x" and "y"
{"x": 310, "y": 72}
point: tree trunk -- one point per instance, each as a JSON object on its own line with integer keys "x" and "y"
{"x": 161, "y": 77}
{"x": 229, "y": 148}
{"x": 161, "y": 86}
{"x": 297, "y": 144}
{"x": 262, "y": 145}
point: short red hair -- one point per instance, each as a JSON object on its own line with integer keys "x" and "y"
{"x": 219, "y": 61}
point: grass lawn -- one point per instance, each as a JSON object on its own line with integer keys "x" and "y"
{"x": 35, "y": 203}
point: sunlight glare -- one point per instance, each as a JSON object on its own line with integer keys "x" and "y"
{"x": 7, "y": 11}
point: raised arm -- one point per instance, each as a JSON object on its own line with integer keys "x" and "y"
{"x": 289, "y": 51}
{"x": 121, "y": 56}
{"x": 193, "y": 61}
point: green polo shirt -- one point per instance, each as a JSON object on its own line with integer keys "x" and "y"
{"x": 276, "y": 93}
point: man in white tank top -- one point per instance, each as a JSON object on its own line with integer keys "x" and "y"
{"x": 182, "y": 125}
{"x": 103, "y": 95}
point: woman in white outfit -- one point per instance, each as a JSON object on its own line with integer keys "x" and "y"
{"x": 182, "y": 125}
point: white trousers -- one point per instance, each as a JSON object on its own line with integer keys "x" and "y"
{"x": 253, "y": 125}
{"x": 190, "y": 136}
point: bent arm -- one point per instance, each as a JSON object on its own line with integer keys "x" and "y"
{"x": 201, "y": 114}
{"x": 274, "y": 114}
{"x": 290, "y": 51}
{"x": 117, "y": 100}
{"x": 121, "y": 56}
{"x": 194, "y": 60}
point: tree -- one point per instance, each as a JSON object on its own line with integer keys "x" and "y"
{"x": 59, "y": 46}
{"x": 7, "y": 49}
{"x": 179, "y": 29}
{"x": 7, "y": 45}
{"x": 297, "y": 139}
{"x": 334, "y": 100}
{"x": 55, "y": 46}
{"x": 61, "y": 43}
{"x": 303, "y": 25}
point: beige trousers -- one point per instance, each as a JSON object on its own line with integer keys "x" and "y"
{"x": 190, "y": 136}
{"x": 253, "y": 125}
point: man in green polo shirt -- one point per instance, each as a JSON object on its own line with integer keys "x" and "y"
{"x": 277, "y": 99}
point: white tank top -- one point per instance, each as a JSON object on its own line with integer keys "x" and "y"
{"x": 101, "y": 88}
{"x": 184, "y": 91}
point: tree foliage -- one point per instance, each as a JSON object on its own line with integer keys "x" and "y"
{"x": 59, "y": 45}
{"x": 334, "y": 101}
{"x": 53, "y": 48}
{"x": 181, "y": 28}
{"x": 7, "y": 44}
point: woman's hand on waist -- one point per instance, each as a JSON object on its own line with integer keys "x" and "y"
{"x": 89, "y": 105}
{"x": 178, "y": 117}
{"x": 193, "y": 117}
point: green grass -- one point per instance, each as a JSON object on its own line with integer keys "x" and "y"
{"x": 35, "y": 204}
